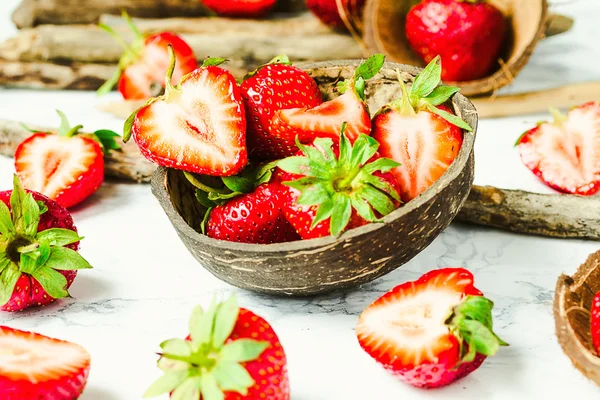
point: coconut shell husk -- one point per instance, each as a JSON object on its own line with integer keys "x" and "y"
{"x": 572, "y": 304}
{"x": 384, "y": 32}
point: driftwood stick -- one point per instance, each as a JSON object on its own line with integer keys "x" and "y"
{"x": 60, "y": 12}
{"x": 554, "y": 215}
{"x": 127, "y": 164}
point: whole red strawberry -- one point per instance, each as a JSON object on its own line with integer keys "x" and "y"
{"x": 565, "y": 154}
{"x": 420, "y": 133}
{"x": 431, "y": 332}
{"x": 595, "y": 322}
{"x": 328, "y": 11}
{"x": 275, "y": 86}
{"x": 333, "y": 190}
{"x": 240, "y": 8}
{"x": 468, "y": 35}
{"x": 67, "y": 167}
{"x": 326, "y": 120}
{"x": 38, "y": 250}
{"x": 231, "y": 354}
{"x": 143, "y": 66}
{"x": 197, "y": 126}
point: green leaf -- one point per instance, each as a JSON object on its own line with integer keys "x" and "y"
{"x": 342, "y": 211}
{"x": 377, "y": 199}
{"x": 9, "y": 275}
{"x": 27, "y": 264}
{"x": 343, "y": 86}
{"x": 363, "y": 208}
{"x": 243, "y": 350}
{"x": 189, "y": 390}
{"x": 345, "y": 156}
{"x": 453, "y": 119}
{"x": 210, "y": 388}
{"x": 294, "y": 165}
{"x": 381, "y": 164}
{"x": 314, "y": 195}
{"x": 53, "y": 282}
{"x": 382, "y": 185}
{"x": 281, "y": 59}
{"x": 232, "y": 377}
{"x": 110, "y": 83}
{"x": 43, "y": 253}
{"x": 227, "y": 315}
{"x": 370, "y": 67}
{"x": 478, "y": 308}
{"x": 480, "y": 337}
{"x": 359, "y": 88}
{"x": 166, "y": 383}
{"x": 441, "y": 94}
{"x": 238, "y": 184}
{"x": 27, "y": 128}
{"x": 6, "y": 226}
{"x": 131, "y": 24}
{"x": 128, "y": 126}
{"x": 323, "y": 213}
{"x": 520, "y": 139}
{"x": 42, "y": 206}
{"x": 427, "y": 80}
{"x": 364, "y": 148}
{"x": 65, "y": 126}
{"x": 203, "y": 199}
{"x": 302, "y": 183}
{"x": 178, "y": 347}
{"x": 213, "y": 62}
{"x": 65, "y": 259}
{"x": 202, "y": 324}
{"x": 59, "y": 236}
{"x": 107, "y": 140}
{"x": 25, "y": 211}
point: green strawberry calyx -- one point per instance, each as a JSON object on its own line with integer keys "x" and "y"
{"x": 426, "y": 93}
{"x": 339, "y": 185}
{"x": 208, "y": 364}
{"x": 280, "y": 59}
{"x": 471, "y": 323}
{"x": 365, "y": 71}
{"x": 105, "y": 137}
{"x": 24, "y": 250}
{"x": 214, "y": 191}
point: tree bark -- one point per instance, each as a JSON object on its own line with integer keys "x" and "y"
{"x": 60, "y": 12}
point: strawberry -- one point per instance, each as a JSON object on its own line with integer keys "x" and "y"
{"x": 431, "y": 332}
{"x": 468, "y": 35}
{"x": 328, "y": 11}
{"x": 198, "y": 126}
{"x": 333, "y": 190}
{"x": 565, "y": 154}
{"x": 275, "y": 86}
{"x": 247, "y": 208}
{"x": 34, "y": 366}
{"x": 326, "y": 119}
{"x": 595, "y": 322}
{"x": 38, "y": 250}
{"x": 143, "y": 65}
{"x": 68, "y": 167}
{"x": 240, "y": 8}
{"x": 419, "y": 132}
{"x": 239, "y": 354}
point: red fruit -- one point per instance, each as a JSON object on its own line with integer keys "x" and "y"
{"x": 419, "y": 133}
{"x": 142, "y": 67}
{"x": 240, "y": 8}
{"x": 595, "y": 322}
{"x": 326, "y": 119}
{"x": 255, "y": 217}
{"x": 27, "y": 236}
{"x": 467, "y": 34}
{"x": 431, "y": 332}
{"x": 198, "y": 126}
{"x": 328, "y": 12}
{"x": 240, "y": 352}
{"x": 565, "y": 154}
{"x": 68, "y": 167}
{"x": 275, "y": 86}
{"x": 333, "y": 190}
{"x": 35, "y": 367}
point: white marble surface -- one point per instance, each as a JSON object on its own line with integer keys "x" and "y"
{"x": 145, "y": 283}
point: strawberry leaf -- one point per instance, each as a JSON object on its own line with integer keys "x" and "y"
{"x": 341, "y": 213}
{"x": 65, "y": 259}
{"x": 210, "y": 388}
{"x": 441, "y": 94}
{"x": 107, "y": 140}
{"x": 7, "y": 228}
{"x": 58, "y": 236}
{"x": 166, "y": 383}
{"x": 520, "y": 139}
{"x": 232, "y": 377}
{"x": 43, "y": 207}
{"x": 177, "y": 347}
{"x": 9, "y": 275}
{"x": 453, "y": 119}
{"x": 381, "y": 164}
{"x": 213, "y": 62}
{"x": 243, "y": 350}
{"x": 189, "y": 389}
{"x": 324, "y": 212}
{"x": 226, "y": 317}
{"x": 362, "y": 208}
{"x": 110, "y": 83}
{"x": 53, "y": 282}
{"x": 25, "y": 210}
{"x": 313, "y": 195}
{"x": 370, "y": 67}
{"x": 238, "y": 184}
{"x": 380, "y": 201}
{"x": 294, "y": 165}
{"x": 426, "y": 81}
{"x": 202, "y": 324}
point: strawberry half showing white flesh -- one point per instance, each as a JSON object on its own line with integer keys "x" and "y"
{"x": 565, "y": 154}
{"x": 431, "y": 332}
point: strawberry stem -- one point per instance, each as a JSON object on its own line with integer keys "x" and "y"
{"x": 169, "y": 88}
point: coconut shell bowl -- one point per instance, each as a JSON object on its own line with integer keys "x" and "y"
{"x": 358, "y": 256}
{"x": 572, "y": 305}
{"x": 384, "y": 32}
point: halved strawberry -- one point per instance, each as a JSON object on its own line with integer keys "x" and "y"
{"x": 419, "y": 132}
{"x": 198, "y": 126}
{"x": 326, "y": 120}
{"x": 67, "y": 167}
{"x": 34, "y": 367}
{"x": 595, "y": 322}
{"x": 565, "y": 154}
{"x": 143, "y": 66}
{"x": 431, "y": 332}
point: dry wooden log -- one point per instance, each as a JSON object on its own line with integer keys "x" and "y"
{"x": 127, "y": 164}
{"x": 60, "y": 12}
{"x": 555, "y": 215}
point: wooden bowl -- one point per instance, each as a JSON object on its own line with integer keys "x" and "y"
{"x": 384, "y": 32}
{"x": 358, "y": 256}
{"x": 572, "y": 305}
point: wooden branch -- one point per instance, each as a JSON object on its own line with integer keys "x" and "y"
{"x": 555, "y": 215}
{"x": 60, "y": 12}
{"x": 127, "y": 164}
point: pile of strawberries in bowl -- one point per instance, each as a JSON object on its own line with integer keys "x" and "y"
{"x": 268, "y": 161}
